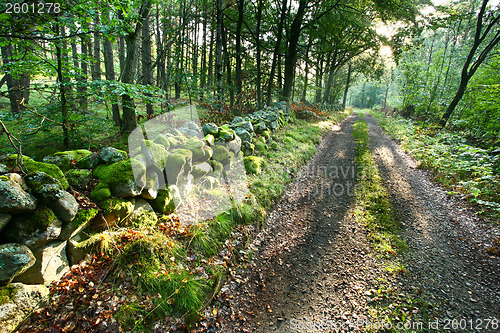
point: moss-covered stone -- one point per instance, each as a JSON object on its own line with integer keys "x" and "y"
{"x": 65, "y": 159}
{"x": 209, "y": 139}
{"x": 266, "y": 134}
{"x": 225, "y": 133}
{"x": 200, "y": 170}
{"x": 173, "y": 142}
{"x": 220, "y": 153}
{"x": 90, "y": 162}
{"x": 196, "y": 146}
{"x": 120, "y": 172}
{"x": 34, "y": 166}
{"x": 82, "y": 220}
{"x": 162, "y": 140}
{"x": 259, "y": 139}
{"x": 33, "y": 229}
{"x": 79, "y": 178}
{"x": 253, "y": 164}
{"x": 178, "y": 162}
{"x": 7, "y": 293}
{"x": 116, "y": 210}
{"x": 217, "y": 167}
{"x": 101, "y": 192}
{"x": 248, "y": 148}
{"x": 210, "y": 128}
{"x": 112, "y": 155}
{"x": 158, "y": 153}
{"x": 164, "y": 202}
{"x": 143, "y": 215}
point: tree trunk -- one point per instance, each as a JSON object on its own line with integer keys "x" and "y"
{"x": 319, "y": 79}
{"x": 121, "y": 55}
{"x": 129, "y": 121}
{"x": 96, "y": 72}
{"x": 277, "y": 49}
{"x": 239, "y": 25}
{"x": 13, "y": 85}
{"x": 347, "y": 83}
{"x": 227, "y": 61}
{"x": 258, "y": 55}
{"x": 218, "y": 54}
{"x": 291, "y": 54}
{"x": 146, "y": 61}
{"x": 109, "y": 66}
{"x": 62, "y": 87}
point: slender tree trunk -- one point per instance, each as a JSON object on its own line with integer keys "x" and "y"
{"x": 291, "y": 54}
{"x": 277, "y": 49}
{"x": 347, "y": 83}
{"x": 129, "y": 121}
{"x": 306, "y": 73}
{"x": 319, "y": 79}
{"x": 146, "y": 61}
{"x": 109, "y": 66}
{"x": 218, "y": 53}
{"x": 121, "y": 54}
{"x": 203, "y": 74}
{"x": 62, "y": 87}
{"x": 96, "y": 72}
{"x": 227, "y": 61}
{"x": 258, "y": 55}
{"x": 239, "y": 26}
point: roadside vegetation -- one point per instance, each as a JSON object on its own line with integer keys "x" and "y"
{"x": 467, "y": 171}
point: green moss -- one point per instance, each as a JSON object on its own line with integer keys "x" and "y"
{"x": 209, "y": 139}
{"x": 200, "y": 170}
{"x": 162, "y": 140}
{"x": 7, "y": 293}
{"x": 220, "y": 153}
{"x": 79, "y": 178}
{"x": 261, "y": 147}
{"x": 84, "y": 216}
{"x": 253, "y": 164}
{"x": 196, "y": 146}
{"x": 119, "y": 172}
{"x": 266, "y": 134}
{"x": 117, "y": 209}
{"x": 101, "y": 192}
{"x": 38, "y": 220}
{"x": 177, "y": 161}
{"x": 159, "y": 153}
{"x": 64, "y": 159}
{"x": 225, "y": 133}
{"x": 34, "y": 166}
{"x": 164, "y": 202}
{"x": 259, "y": 139}
{"x": 217, "y": 166}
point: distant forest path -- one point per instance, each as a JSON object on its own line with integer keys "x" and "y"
{"x": 313, "y": 269}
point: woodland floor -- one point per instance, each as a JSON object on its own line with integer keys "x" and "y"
{"x": 313, "y": 264}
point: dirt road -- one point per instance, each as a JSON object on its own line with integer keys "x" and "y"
{"x": 313, "y": 269}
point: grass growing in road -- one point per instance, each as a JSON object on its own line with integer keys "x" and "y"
{"x": 373, "y": 209}
{"x": 389, "y": 307}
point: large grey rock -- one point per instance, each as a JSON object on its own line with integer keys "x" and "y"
{"x": 14, "y": 260}
{"x": 152, "y": 186}
{"x": 14, "y": 198}
{"x": 128, "y": 189}
{"x": 33, "y": 229}
{"x": 110, "y": 155}
{"x": 65, "y": 160}
{"x": 244, "y": 135}
{"x": 51, "y": 264}
{"x": 210, "y": 128}
{"x": 20, "y": 300}
{"x": 90, "y": 162}
{"x": 65, "y": 206}
{"x": 79, "y": 178}
{"x": 4, "y": 219}
{"x": 74, "y": 253}
{"x": 234, "y": 145}
{"x": 246, "y": 125}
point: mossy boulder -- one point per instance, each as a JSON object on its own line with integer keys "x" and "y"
{"x": 90, "y": 162}
{"x": 116, "y": 210}
{"x": 43, "y": 186}
{"x": 225, "y": 134}
{"x": 210, "y": 128}
{"x": 101, "y": 192}
{"x": 14, "y": 195}
{"x": 253, "y": 164}
{"x": 260, "y": 127}
{"x": 234, "y": 145}
{"x": 244, "y": 135}
{"x": 220, "y": 153}
{"x": 248, "y": 148}
{"x": 157, "y": 154}
{"x": 162, "y": 140}
{"x": 150, "y": 190}
{"x": 110, "y": 155}
{"x": 65, "y": 160}
{"x": 261, "y": 147}
{"x": 79, "y": 178}
{"x": 210, "y": 182}
{"x": 143, "y": 215}
{"x": 125, "y": 178}
{"x": 33, "y": 166}
{"x": 200, "y": 170}
{"x": 266, "y": 134}
{"x": 33, "y": 229}
{"x": 167, "y": 200}
{"x": 14, "y": 260}
{"x": 209, "y": 139}
{"x": 246, "y": 125}
{"x": 81, "y": 221}
{"x": 179, "y": 162}
{"x": 196, "y": 146}
{"x": 217, "y": 167}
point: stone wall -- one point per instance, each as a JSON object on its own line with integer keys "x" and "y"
{"x": 44, "y": 214}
